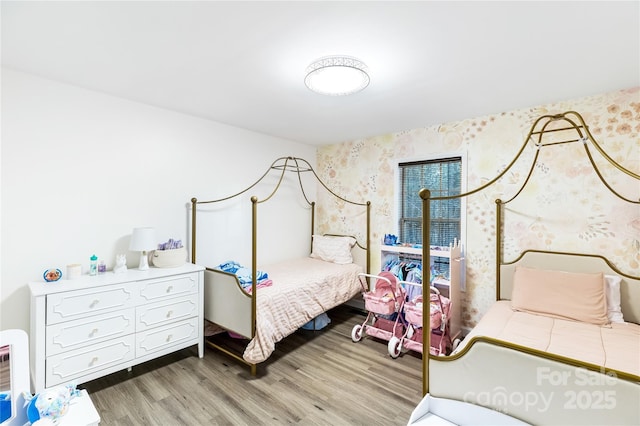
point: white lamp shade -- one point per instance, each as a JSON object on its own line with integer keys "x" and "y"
{"x": 143, "y": 239}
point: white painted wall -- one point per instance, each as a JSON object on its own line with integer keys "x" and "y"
{"x": 81, "y": 169}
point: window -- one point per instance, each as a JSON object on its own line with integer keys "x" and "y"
{"x": 443, "y": 177}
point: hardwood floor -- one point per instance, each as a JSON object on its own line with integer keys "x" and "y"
{"x": 313, "y": 378}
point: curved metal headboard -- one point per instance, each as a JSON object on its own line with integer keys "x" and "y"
{"x": 282, "y": 164}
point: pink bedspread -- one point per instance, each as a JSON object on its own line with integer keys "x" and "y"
{"x": 302, "y": 289}
{"x": 615, "y": 346}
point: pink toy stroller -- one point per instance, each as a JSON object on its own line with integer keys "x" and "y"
{"x": 412, "y": 339}
{"x": 384, "y": 305}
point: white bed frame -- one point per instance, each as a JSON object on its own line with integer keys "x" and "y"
{"x": 229, "y": 306}
{"x": 535, "y": 386}
{"x": 226, "y": 303}
{"x": 531, "y": 385}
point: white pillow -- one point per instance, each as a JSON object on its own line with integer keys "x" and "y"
{"x": 332, "y": 249}
{"x": 614, "y": 311}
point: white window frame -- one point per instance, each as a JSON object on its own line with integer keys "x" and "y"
{"x": 463, "y": 200}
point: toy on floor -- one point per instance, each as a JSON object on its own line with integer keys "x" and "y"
{"x": 48, "y": 406}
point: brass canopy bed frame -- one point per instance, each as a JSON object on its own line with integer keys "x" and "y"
{"x": 500, "y": 375}
{"x": 243, "y": 312}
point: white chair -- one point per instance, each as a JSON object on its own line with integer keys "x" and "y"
{"x": 15, "y": 344}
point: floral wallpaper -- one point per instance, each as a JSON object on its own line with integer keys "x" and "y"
{"x": 563, "y": 207}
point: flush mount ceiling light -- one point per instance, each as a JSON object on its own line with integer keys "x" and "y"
{"x": 337, "y": 75}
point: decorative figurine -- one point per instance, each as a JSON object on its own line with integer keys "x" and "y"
{"x": 51, "y": 275}
{"x": 121, "y": 264}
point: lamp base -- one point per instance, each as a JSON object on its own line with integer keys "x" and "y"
{"x": 144, "y": 261}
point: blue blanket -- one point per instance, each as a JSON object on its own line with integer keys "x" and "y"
{"x": 243, "y": 274}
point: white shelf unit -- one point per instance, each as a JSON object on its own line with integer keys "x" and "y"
{"x": 449, "y": 288}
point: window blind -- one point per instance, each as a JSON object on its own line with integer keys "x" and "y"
{"x": 443, "y": 177}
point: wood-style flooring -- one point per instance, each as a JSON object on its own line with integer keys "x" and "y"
{"x": 313, "y": 378}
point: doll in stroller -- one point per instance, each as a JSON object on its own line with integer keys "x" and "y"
{"x": 384, "y": 303}
{"x": 440, "y": 313}
{"x": 399, "y": 322}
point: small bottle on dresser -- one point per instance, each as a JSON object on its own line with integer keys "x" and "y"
{"x": 93, "y": 265}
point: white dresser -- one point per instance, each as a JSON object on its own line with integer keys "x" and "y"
{"x": 95, "y": 325}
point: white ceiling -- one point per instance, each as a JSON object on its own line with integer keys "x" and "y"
{"x": 242, "y": 63}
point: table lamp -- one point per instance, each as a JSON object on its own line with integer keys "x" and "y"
{"x": 143, "y": 240}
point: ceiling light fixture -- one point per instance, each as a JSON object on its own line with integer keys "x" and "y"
{"x": 337, "y": 75}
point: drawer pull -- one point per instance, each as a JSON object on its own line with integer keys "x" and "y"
{"x": 93, "y": 332}
{"x": 169, "y": 289}
{"x": 169, "y": 337}
{"x": 169, "y": 314}
{"x": 93, "y": 361}
{"x": 94, "y": 303}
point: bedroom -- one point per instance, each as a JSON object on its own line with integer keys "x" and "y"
{"x": 81, "y": 168}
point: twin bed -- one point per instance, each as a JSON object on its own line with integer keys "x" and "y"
{"x": 569, "y": 305}
{"x": 298, "y": 290}
{"x": 561, "y": 344}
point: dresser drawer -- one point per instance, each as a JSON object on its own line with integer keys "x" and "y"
{"x": 166, "y": 311}
{"x": 152, "y": 290}
{"x": 159, "y": 338}
{"x": 70, "y": 335}
{"x": 67, "y": 366}
{"x": 84, "y": 303}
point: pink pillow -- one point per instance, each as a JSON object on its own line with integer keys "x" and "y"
{"x": 567, "y": 295}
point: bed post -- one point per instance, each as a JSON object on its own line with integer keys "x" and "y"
{"x": 425, "y": 194}
{"x": 368, "y": 237}
{"x": 498, "y": 245}
{"x": 313, "y": 223}
{"x": 194, "y": 201}
{"x": 254, "y": 263}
